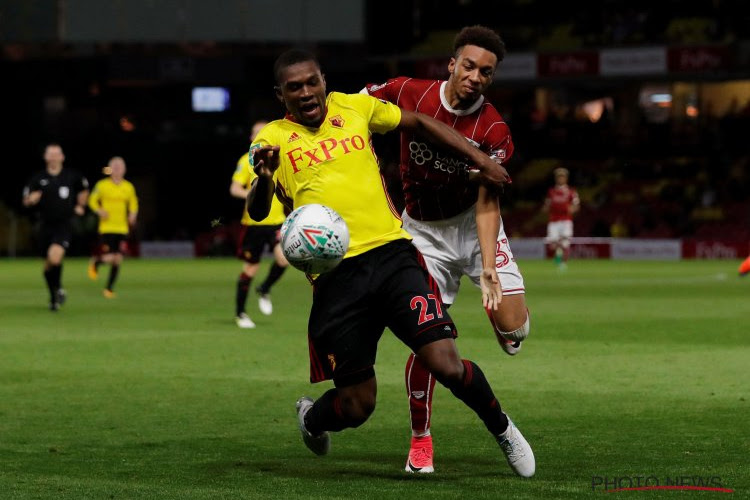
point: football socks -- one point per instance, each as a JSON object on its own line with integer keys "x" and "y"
{"x": 243, "y": 285}
{"x": 477, "y": 394}
{"x": 273, "y": 276}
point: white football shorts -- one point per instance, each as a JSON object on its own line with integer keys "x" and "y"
{"x": 561, "y": 230}
{"x": 451, "y": 249}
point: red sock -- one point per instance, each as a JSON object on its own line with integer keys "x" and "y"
{"x": 419, "y": 387}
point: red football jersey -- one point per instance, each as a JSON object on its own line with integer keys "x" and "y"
{"x": 560, "y": 199}
{"x": 435, "y": 182}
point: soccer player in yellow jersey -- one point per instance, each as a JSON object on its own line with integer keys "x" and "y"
{"x": 255, "y": 237}
{"x": 114, "y": 200}
{"x": 320, "y": 153}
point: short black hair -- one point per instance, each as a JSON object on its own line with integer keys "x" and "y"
{"x": 290, "y": 57}
{"x": 480, "y": 36}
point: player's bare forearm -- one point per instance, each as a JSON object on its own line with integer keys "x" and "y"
{"x": 259, "y": 197}
{"x": 488, "y": 227}
{"x": 488, "y": 224}
{"x": 82, "y": 201}
{"x": 238, "y": 190}
{"x": 440, "y": 133}
{"x": 32, "y": 198}
{"x": 265, "y": 161}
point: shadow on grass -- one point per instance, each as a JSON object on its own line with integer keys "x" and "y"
{"x": 350, "y": 466}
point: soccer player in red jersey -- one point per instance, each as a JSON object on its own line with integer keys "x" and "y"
{"x": 456, "y": 222}
{"x": 561, "y": 204}
{"x": 320, "y": 153}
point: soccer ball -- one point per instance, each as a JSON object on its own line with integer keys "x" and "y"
{"x": 314, "y": 238}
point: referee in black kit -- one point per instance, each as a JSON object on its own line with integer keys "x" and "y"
{"x": 58, "y": 194}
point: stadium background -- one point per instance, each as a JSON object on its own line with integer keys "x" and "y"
{"x": 647, "y": 103}
{"x": 634, "y": 370}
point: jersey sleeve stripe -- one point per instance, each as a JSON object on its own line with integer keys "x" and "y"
{"x": 425, "y": 93}
{"x": 398, "y": 97}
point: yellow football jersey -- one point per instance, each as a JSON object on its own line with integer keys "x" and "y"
{"x": 118, "y": 200}
{"x": 245, "y": 175}
{"x": 335, "y": 165}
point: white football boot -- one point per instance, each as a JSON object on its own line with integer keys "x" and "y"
{"x": 517, "y": 451}
{"x": 319, "y": 444}
{"x": 244, "y": 321}
{"x": 265, "y": 305}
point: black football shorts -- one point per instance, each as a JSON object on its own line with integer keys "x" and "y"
{"x": 111, "y": 242}
{"x": 255, "y": 239}
{"x": 54, "y": 232}
{"x": 386, "y": 287}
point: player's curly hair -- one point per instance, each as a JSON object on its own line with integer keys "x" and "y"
{"x": 290, "y": 57}
{"x": 480, "y": 36}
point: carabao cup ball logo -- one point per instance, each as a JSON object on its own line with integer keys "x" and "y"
{"x": 314, "y": 238}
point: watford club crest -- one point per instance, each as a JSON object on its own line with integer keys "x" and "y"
{"x": 337, "y": 121}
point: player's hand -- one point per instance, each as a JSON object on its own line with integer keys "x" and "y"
{"x": 79, "y": 210}
{"x": 266, "y": 160}
{"x": 492, "y": 292}
{"x": 491, "y": 172}
{"x": 32, "y": 198}
{"x": 103, "y": 214}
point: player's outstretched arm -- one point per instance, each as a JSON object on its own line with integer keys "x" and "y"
{"x": 259, "y": 198}
{"x": 265, "y": 162}
{"x": 488, "y": 227}
{"x": 440, "y": 133}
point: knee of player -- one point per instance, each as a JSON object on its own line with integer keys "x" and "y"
{"x": 449, "y": 374}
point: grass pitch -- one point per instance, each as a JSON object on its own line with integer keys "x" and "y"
{"x": 632, "y": 370}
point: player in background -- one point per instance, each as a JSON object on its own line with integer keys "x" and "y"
{"x": 560, "y": 205}
{"x": 744, "y": 268}
{"x": 58, "y": 194}
{"x": 114, "y": 201}
{"x": 456, "y": 223}
{"x": 320, "y": 153}
{"x": 254, "y": 238}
